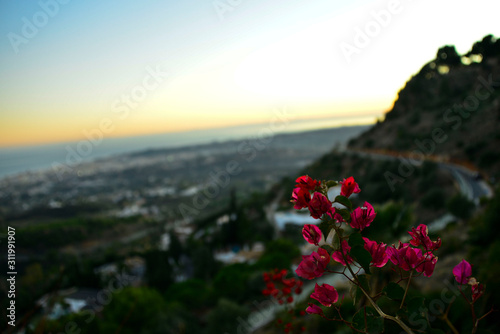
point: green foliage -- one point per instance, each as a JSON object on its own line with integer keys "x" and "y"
{"x": 344, "y": 201}
{"x": 226, "y": 318}
{"x": 434, "y": 198}
{"x": 271, "y": 261}
{"x": 367, "y": 319}
{"x": 126, "y": 311}
{"x": 159, "y": 270}
{"x": 485, "y": 241}
{"x": 174, "y": 320}
{"x": 428, "y": 175}
{"x": 487, "y": 47}
{"x": 193, "y": 294}
{"x": 231, "y": 282}
{"x": 362, "y": 256}
{"x": 447, "y": 55}
{"x": 175, "y": 248}
{"x": 205, "y": 266}
{"x": 460, "y": 206}
{"x": 278, "y": 254}
{"x": 60, "y": 233}
{"x": 82, "y": 323}
{"x": 396, "y": 218}
{"x": 394, "y": 291}
{"x": 358, "y": 252}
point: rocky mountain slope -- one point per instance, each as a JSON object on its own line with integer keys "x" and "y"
{"x": 450, "y": 111}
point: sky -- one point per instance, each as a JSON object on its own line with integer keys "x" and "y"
{"x": 70, "y": 70}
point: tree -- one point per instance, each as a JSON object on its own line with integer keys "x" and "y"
{"x": 232, "y": 282}
{"x": 447, "y": 55}
{"x": 131, "y": 310}
{"x": 159, "y": 271}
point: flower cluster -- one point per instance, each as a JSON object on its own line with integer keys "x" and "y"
{"x": 318, "y": 204}
{"x": 408, "y": 256}
{"x": 463, "y": 275}
{"x": 353, "y": 255}
{"x": 280, "y": 287}
{"x": 417, "y": 254}
{"x": 313, "y": 265}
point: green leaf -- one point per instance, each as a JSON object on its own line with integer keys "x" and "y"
{"x": 367, "y": 319}
{"x": 331, "y": 183}
{"x": 362, "y": 256}
{"x": 344, "y": 201}
{"x": 356, "y": 239}
{"x": 325, "y": 227}
{"x": 346, "y": 215}
{"x": 394, "y": 291}
{"x": 363, "y": 280}
{"x": 416, "y": 305}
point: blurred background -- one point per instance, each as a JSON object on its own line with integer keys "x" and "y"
{"x": 148, "y": 152}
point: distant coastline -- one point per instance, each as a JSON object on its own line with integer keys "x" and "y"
{"x": 18, "y": 160}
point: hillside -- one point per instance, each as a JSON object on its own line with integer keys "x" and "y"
{"x": 449, "y": 109}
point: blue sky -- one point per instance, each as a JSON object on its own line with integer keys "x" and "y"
{"x": 222, "y": 63}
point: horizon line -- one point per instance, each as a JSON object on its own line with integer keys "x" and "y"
{"x": 235, "y": 126}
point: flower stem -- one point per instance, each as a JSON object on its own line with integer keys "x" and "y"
{"x": 406, "y": 290}
{"x": 372, "y": 302}
{"x": 375, "y": 306}
{"x": 444, "y": 316}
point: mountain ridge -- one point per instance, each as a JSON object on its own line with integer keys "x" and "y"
{"x": 449, "y": 109}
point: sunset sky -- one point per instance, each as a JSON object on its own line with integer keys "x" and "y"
{"x": 143, "y": 67}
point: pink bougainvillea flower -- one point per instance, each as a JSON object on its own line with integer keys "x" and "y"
{"x": 313, "y": 265}
{"x": 319, "y": 205}
{"x": 337, "y": 255}
{"x": 477, "y": 291}
{"x": 312, "y": 234}
{"x": 307, "y": 183}
{"x": 405, "y": 257}
{"x": 314, "y": 309}
{"x": 419, "y": 237}
{"x": 377, "y": 251}
{"x": 427, "y": 264}
{"x": 462, "y": 272}
{"x": 300, "y": 198}
{"x": 348, "y": 187}
{"x": 362, "y": 217}
{"x": 325, "y": 294}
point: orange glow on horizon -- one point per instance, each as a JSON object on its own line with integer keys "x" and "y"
{"x": 18, "y": 132}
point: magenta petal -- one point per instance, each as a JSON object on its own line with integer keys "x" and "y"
{"x": 462, "y": 272}
{"x": 312, "y": 234}
{"x": 319, "y": 205}
{"x": 314, "y": 309}
{"x": 325, "y": 294}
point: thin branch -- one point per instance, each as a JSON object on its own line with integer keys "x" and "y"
{"x": 406, "y": 290}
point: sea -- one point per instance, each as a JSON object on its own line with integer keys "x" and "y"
{"x": 15, "y": 160}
